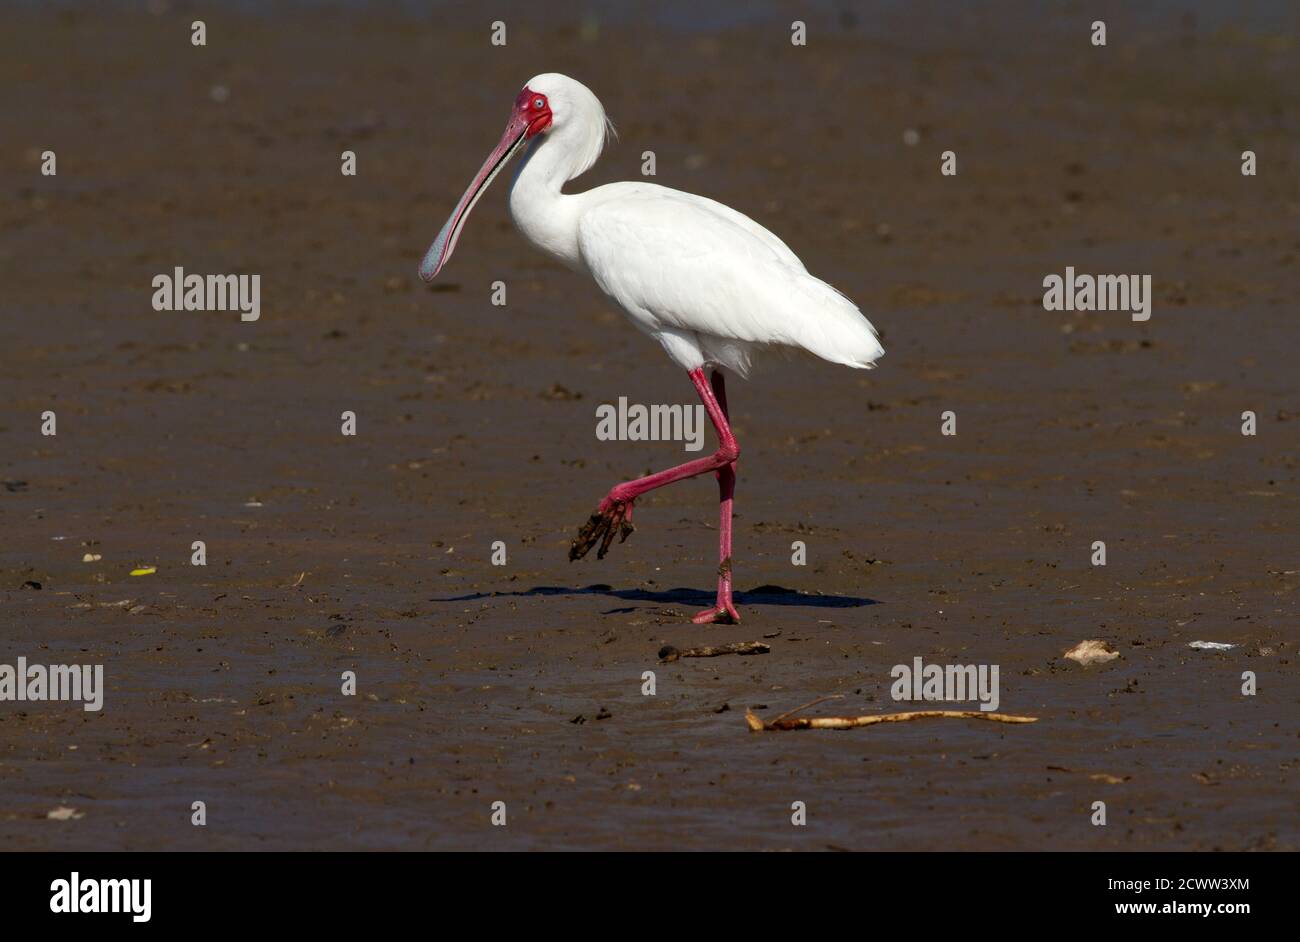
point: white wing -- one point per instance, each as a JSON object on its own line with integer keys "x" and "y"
{"x": 681, "y": 262}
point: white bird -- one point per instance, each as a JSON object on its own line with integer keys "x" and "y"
{"x": 710, "y": 284}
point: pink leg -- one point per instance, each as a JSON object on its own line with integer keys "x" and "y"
{"x": 614, "y": 515}
{"x": 723, "y": 610}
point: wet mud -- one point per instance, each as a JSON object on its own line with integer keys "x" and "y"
{"x": 523, "y": 683}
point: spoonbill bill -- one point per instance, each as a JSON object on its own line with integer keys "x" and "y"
{"x": 710, "y": 284}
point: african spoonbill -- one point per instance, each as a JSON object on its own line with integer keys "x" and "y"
{"x": 711, "y": 285}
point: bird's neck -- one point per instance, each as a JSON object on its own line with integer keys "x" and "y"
{"x": 543, "y": 213}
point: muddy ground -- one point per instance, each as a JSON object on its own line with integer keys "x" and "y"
{"x": 477, "y": 424}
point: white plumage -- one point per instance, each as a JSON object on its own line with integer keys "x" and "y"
{"x": 711, "y": 285}
{"x": 707, "y": 282}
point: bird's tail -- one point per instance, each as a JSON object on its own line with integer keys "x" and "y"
{"x": 839, "y": 333}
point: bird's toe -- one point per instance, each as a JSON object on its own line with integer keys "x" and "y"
{"x": 725, "y": 614}
{"x": 587, "y": 536}
{"x": 601, "y": 527}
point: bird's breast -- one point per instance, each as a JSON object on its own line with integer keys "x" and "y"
{"x": 549, "y": 222}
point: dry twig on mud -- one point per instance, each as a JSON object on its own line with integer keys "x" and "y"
{"x": 788, "y": 720}
{"x": 669, "y": 653}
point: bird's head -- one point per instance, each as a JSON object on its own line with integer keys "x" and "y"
{"x": 548, "y": 104}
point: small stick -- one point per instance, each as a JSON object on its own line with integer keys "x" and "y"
{"x": 785, "y": 721}
{"x": 800, "y": 709}
{"x": 669, "y": 653}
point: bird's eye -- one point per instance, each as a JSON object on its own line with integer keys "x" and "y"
{"x": 539, "y": 103}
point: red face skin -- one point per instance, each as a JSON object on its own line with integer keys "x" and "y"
{"x": 530, "y": 117}
{"x": 535, "y": 109}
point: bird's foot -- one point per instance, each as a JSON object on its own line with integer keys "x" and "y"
{"x": 724, "y": 613}
{"x": 612, "y": 517}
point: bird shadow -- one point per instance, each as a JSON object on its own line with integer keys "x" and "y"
{"x": 761, "y": 595}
